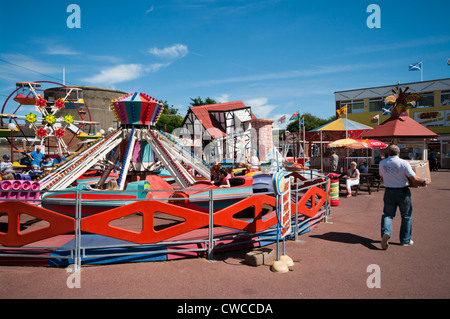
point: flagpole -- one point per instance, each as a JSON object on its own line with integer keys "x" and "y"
{"x": 298, "y": 131}
{"x": 304, "y": 145}
{"x": 346, "y": 120}
{"x": 421, "y": 70}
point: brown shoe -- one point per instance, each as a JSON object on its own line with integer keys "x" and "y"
{"x": 385, "y": 241}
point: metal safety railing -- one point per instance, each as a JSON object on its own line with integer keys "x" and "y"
{"x": 215, "y": 228}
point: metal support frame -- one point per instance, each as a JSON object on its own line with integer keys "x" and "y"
{"x": 78, "y": 165}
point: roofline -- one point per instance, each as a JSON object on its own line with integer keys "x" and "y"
{"x": 387, "y": 86}
{"x": 221, "y": 104}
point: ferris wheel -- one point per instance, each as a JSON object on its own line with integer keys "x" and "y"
{"x": 56, "y": 115}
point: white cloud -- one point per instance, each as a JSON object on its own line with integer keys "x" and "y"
{"x": 223, "y": 98}
{"x": 175, "y": 51}
{"x": 123, "y": 72}
{"x": 117, "y": 74}
{"x": 293, "y": 74}
{"x": 149, "y": 10}
{"x": 20, "y": 66}
{"x": 60, "y": 50}
{"x": 260, "y": 107}
{"x": 398, "y": 45}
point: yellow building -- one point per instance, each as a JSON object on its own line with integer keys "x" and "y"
{"x": 432, "y": 110}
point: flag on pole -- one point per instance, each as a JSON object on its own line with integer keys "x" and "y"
{"x": 448, "y": 61}
{"x": 375, "y": 119}
{"x": 295, "y": 116}
{"x": 342, "y": 110}
{"x": 415, "y": 67}
{"x": 282, "y": 119}
{"x": 302, "y": 121}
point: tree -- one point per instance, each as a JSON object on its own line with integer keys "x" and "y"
{"x": 198, "y": 101}
{"x": 311, "y": 122}
{"x": 169, "y": 119}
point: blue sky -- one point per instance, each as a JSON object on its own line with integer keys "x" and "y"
{"x": 275, "y": 55}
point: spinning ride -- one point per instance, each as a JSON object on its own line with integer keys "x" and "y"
{"x": 136, "y": 144}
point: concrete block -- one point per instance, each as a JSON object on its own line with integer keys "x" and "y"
{"x": 260, "y": 256}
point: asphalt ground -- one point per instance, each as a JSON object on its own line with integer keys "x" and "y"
{"x": 341, "y": 259}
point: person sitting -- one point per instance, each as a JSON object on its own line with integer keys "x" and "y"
{"x": 47, "y": 163}
{"x": 352, "y": 178}
{"x": 8, "y": 177}
{"x": 254, "y": 161}
{"x": 362, "y": 168}
{"x": 59, "y": 159}
{"x": 224, "y": 178}
{"x": 36, "y": 158}
{"x": 6, "y": 166}
{"x": 112, "y": 185}
{"x": 215, "y": 174}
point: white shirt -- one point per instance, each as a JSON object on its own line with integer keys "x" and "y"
{"x": 354, "y": 175}
{"x": 395, "y": 172}
{"x": 255, "y": 162}
{"x": 6, "y": 167}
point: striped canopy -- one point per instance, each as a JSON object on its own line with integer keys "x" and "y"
{"x": 137, "y": 109}
{"x": 342, "y": 124}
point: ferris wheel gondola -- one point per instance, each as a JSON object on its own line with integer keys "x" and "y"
{"x": 26, "y": 93}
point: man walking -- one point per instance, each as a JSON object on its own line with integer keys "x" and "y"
{"x": 334, "y": 161}
{"x": 397, "y": 176}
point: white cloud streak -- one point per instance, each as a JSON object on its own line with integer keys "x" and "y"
{"x": 20, "y": 66}
{"x": 260, "y": 106}
{"x": 175, "y": 51}
{"x": 117, "y": 74}
{"x": 123, "y": 73}
{"x": 295, "y": 73}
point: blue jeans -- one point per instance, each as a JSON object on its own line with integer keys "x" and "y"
{"x": 401, "y": 198}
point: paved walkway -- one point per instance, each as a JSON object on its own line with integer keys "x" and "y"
{"x": 331, "y": 262}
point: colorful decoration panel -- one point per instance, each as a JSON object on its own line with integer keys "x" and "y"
{"x": 137, "y": 109}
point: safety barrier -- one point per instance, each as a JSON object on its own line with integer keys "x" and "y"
{"x": 248, "y": 222}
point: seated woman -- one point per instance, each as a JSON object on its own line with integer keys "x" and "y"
{"x": 224, "y": 178}
{"x": 352, "y": 178}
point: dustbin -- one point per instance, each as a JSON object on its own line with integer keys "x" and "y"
{"x": 334, "y": 189}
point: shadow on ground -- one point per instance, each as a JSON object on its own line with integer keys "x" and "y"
{"x": 348, "y": 238}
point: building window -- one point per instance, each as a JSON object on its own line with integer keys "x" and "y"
{"x": 445, "y": 98}
{"x": 426, "y": 100}
{"x": 376, "y": 105}
{"x": 357, "y": 106}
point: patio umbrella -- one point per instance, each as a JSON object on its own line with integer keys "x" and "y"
{"x": 341, "y": 124}
{"x": 345, "y": 142}
{"x": 357, "y": 144}
{"x": 375, "y": 144}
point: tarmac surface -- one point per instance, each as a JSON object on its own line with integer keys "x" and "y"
{"x": 335, "y": 260}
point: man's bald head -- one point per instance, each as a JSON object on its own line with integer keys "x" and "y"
{"x": 393, "y": 150}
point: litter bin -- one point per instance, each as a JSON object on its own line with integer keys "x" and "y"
{"x": 334, "y": 189}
